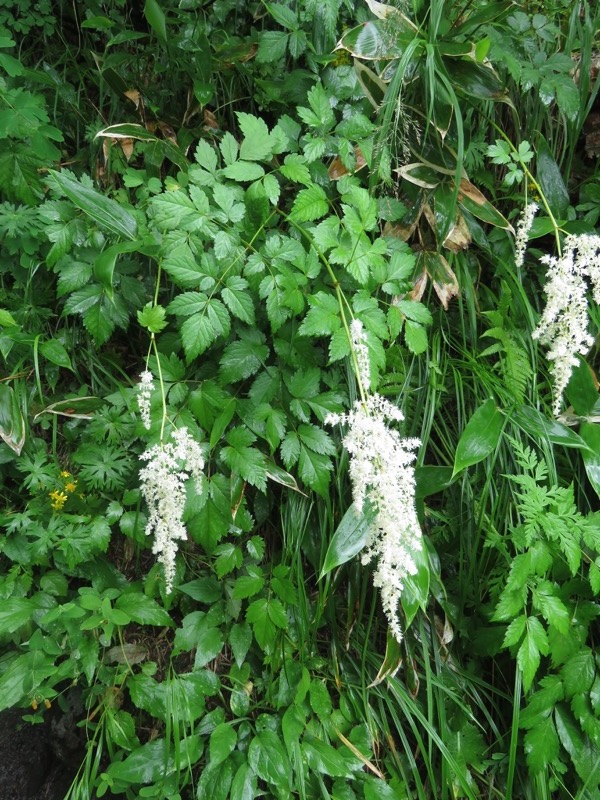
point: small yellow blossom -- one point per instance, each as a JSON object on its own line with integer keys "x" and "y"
{"x": 71, "y": 486}
{"x": 59, "y": 498}
{"x": 65, "y": 474}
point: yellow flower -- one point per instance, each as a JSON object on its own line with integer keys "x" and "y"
{"x": 71, "y": 486}
{"x": 65, "y": 474}
{"x": 59, "y": 498}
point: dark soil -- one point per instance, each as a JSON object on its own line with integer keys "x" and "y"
{"x": 37, "y": 762}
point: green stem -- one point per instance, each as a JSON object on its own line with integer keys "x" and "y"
{"x": 162, "y": 388}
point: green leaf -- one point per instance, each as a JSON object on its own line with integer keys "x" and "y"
{"x": 247, "y": 461}
{"x": 539, "y": 427}
{"x": 268, "y": 759}
{"x": 416, "y": 337}
{"x": 240, "y": 639}
{"x": 23, "y": 676}
{"x": 12, "y": 424}
{"x": 323, "y": 317}
{"x": 215, "y": 781}
{"x": 541, "y": 745}
{"x": 480, "y": 438}
{"x": 14, "y": 613}
{"x": 283, "y": 16}
{"x": 222, "y": 742}
{"x": 590, "y": 434}
{"x": 247, "y": 586}
{"x": 55, "y": 352}
{"x": 243, "y": 171}
{"x": 152, "y": 317}
{"x": 534, "y": 644}
{"x": 204, "y": 590}
{"x": 244, "y": 784}
{"x": 515, "y": 631}
{"x": 314, "y": 470}
{"x": 578, "y": 672}
{"x": 584, "y": 754}
{"x": 182, "y": 266}
{"x": 154, "y": 760}
{"x": 244, "y": 357}
{"x": 257, "y": 144}
{"x": 320, "y": 700}
{"x": 266, "y": 616}
{"x": 156, "y": 19}
{"x": 104, "y": 265}
{"x": 100, "y": 208}
{"x": 295, "y": 169}
{"x": 143, "y": 609}
{"x": 349, "y": 538}
{"x": 322, "y": 757}
{"x": 551, "y": 607}
{"x": 551, "y": 180}
{"x": 581, "y": 389}
{"x": 310, "y": 204}
{"x": 236, "y": 297}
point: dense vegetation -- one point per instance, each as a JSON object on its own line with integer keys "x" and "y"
{"x": 250, "y": 253}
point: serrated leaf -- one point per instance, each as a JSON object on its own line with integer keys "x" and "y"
{"x": 181, "y": 265}
{"x": 534, "y": 645}
{"x": 257, "y": 144}
{"x": 323, "y": 317}
{"x": 272, "y": 46}
{"x": 246, "y": 461}
{"x": 242, "y": 171}
{"x": 578, "y": 672}
{"x": 316, "y": 439}
{"x": 153, "y": 318}
{"x": 515, "y": 631}
{"x": 541, "y": 745}
{"x": 310, "y": 204}
{"x": 295, "y": 169}
{"x": 238, "y": 300}
{"x": 416, "y": 337}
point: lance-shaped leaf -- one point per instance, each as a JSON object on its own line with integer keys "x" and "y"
{"x": 100, "y": 208}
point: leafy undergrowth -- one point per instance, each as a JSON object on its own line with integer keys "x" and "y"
{"x": 273, "y": 332}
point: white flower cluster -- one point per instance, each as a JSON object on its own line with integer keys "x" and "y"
{"x": 563, "y": 326}
{"x": 361, "y": 351}
{"x": 381, "y": 472}
{"x": 163, "y": 488}
{"x": 144, "y": 395}
{"x": 523, "y": 227}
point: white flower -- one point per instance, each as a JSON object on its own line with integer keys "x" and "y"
{"x": 564, "y": 324}
{"x": 381, "y": 472}
{"x": 162, "y": 484}
{"x": 523, "y": 227}
{"x": 361, "y": 351}
{"x": 144, "y": 395}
